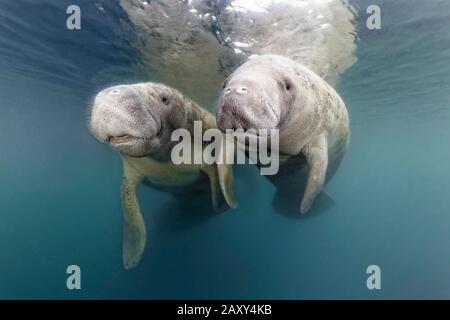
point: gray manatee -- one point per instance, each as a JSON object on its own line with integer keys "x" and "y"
{"x": 138, "y": 121}
{"x": 274, "y": 92}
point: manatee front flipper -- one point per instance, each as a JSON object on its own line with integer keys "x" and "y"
{"x": 222, "y": 191}
{"x": 226, "y": 181}
{"x": 218, "y": 199}
{"x": 316, "y": 153}
{"x": 134, "y": 234}
{"x": 225, "y": 171}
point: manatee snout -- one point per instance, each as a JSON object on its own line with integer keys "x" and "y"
{"x": 246, "y": 106}
{"x": 229, "y": 118}
{"x": 124, "y": 116}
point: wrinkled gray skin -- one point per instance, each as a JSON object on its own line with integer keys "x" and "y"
{"x": 138, "y": 121}
{"x": 274, "y": 92}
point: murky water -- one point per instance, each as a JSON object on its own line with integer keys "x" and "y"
{"x": 59, "y": 190}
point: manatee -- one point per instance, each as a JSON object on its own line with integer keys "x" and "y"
{"x": 138, "y": 121}
{"x": 275, "y": 92}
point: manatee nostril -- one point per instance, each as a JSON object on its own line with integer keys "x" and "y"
{"x": 242, "y": 90}
{"x": 228, "y": 90}
{"x": 114, "y": 91}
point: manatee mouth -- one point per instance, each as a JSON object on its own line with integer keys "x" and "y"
{"x": 124, "y": 139}
{"x": 251, "y": 140}
{"x": 119, "y": 139}
{"x": 132, "y": 146}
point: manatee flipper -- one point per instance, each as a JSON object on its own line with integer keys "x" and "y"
{"x": 225, "y": 171}
{"x": 218, "y": 199}
{"x": 226, "y": 181}
{"x": 134, "y": 233}
{"x": 316, "y": 153}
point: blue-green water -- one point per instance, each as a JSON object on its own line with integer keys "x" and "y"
{"x": 59, "y": 188}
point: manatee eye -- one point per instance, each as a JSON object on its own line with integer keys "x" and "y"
{"x": 225, "y": 83}
{"x": 165, "y": 100}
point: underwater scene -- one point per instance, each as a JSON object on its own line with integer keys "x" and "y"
{"x": 93, "y": 207}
